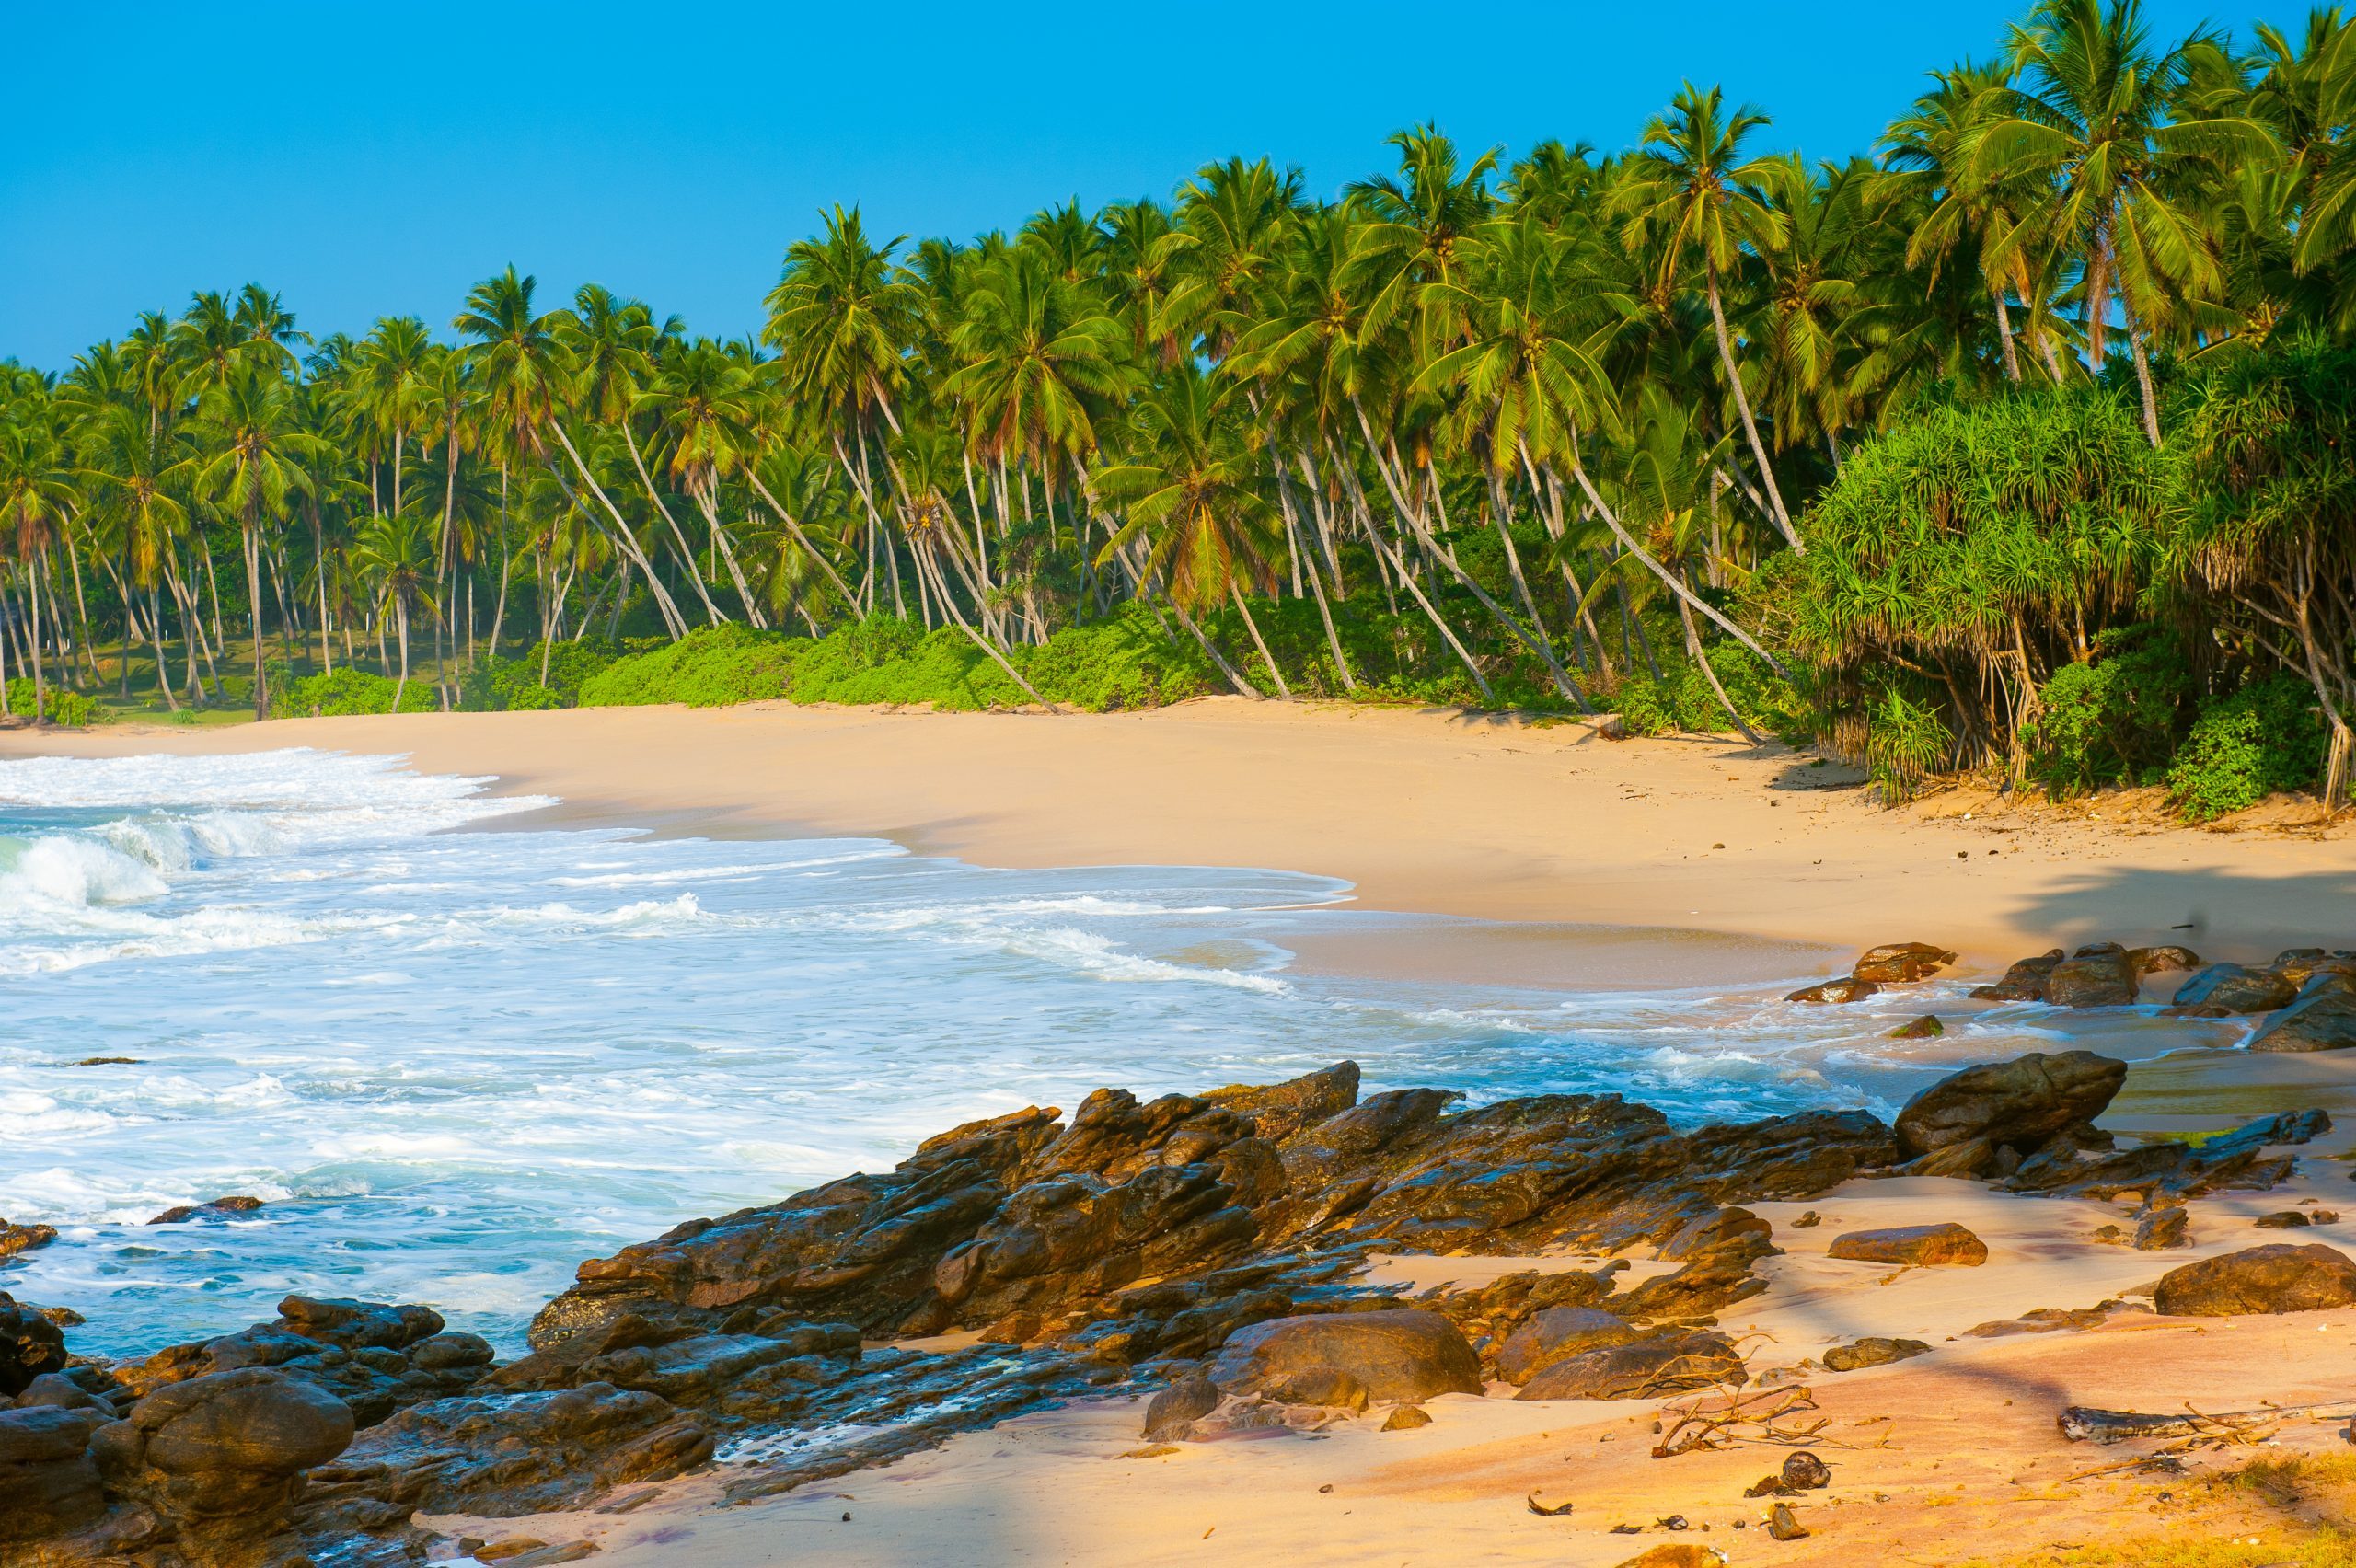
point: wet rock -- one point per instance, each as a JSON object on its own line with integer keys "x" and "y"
{"x": 1279, "y": 1111}
{"x": 1399, "y": 1355}
{"x": 2324, "y": 1018}
{"x": 1808, "y": 1221}
{"x": 357, "y": 1325}
{"x": 16, "y": 1238}
{"x": 2229, "y": 988}
{"x": 1170, "y": 1415}
{"x": 1901, "y": 962}
{"x": 2301, "y": 965}
{"x": 1557, "y": 1334}
{"x": 2276, "y": 1278}
{"x": 1406, "y": 1418}
{"x": 2283, "y": 1129}
{"x": 1847, "y": 989}
{"x": 2282, "y": 1219}
{"x": 2163, "y": 960}
{"x": 2020, "y": 1105}
{"x": 1872, "y": 1352}
{"x": 56, "y": 1390}
{"x": 221, "y": 1458}
{"x": 1919, "y": 1246}
{"x": 2024, "y": 982}
{"x": 29, "y": 1346}
{"x": 1640, "y": 1369}
{"x": 505, "y": 1455}
{"x": 48, "y": 1484}
{"x": 1927, "y": 1027}
{"x": 216, "y": 1209}
{"x": 2098, "y": 976}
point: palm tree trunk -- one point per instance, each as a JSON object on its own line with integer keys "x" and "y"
{"x": 2143, "y": 378}
{"x": 400, "y": 611}
{"x": 1578, "y": 472}
{"x": 850, "y": 599}
{"x": 639, "y": 463}
{"x": 2005, "y": 333}
{"x": 1243, "y": 688}
{"x": 40, "y": 680}
{"x": 1500, "y": 511}
{"x": 253, "y": 596}
{"x": 1783, "y": 519}
{"x": 1258, "y": 641}
{"x": 1695, "y": 651}
{"x": 672, "y": 621}
{"x": 924, "y": 558}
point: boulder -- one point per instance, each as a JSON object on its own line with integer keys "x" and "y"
{"x": 1279, "y": 1109}
{"x": 2228, "y": 988}
{"x": 1901, "y": 962}
{"x": 2018, "y": 1105}
{"x": 1872, "y": 1352}
{"x": 2024, "y": 982}
{"x": 1399, "y": 1354}
{"x": 48, "y": 1484}
{"x": 1641, "y": 1369}
{"x": 2324, "y": 1018}
{"x": 29, "y": 1346}
{"x": 1921, "y": 1246}
{"x": 1557, "y": 1334}
{"x": 357, "y": 1324}
{"x": 2162, "y": 1229}
{"x": 16, "y": 1238}
{"x": 2099, "y": 976}
{"x": 1406, "y": 1418}
{"x": 2300, "y": 965}
{"x": 2282, "y": 1219}
{"x": 1329, "y": 1387}
{"x": 1927, "y": 1027}
{"x": 2163, "y": 960}
{"x": 1847, "y": 989}
{"x": 1727, "y": 1228}
{"x": 213, "y": 1208}
{"x": 2277, "y": 1278}
{"x": 221, "y": 1458}
{"x": 1170, "y": 1415}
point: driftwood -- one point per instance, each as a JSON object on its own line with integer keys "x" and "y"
{"x": 1729, "y": 1416}
{"x": 1542, "y": 1511}
{"x": 2084, "y": 1423}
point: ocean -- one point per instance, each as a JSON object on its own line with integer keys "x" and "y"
{"x": 456, "y": 1049}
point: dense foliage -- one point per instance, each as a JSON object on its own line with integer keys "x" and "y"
{"x": 1893, "y": 451}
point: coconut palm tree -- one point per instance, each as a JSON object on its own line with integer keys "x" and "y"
{"x": 395, "y": 555}
{"x": 257, "y": 454}
{"x": 36, "y": 493}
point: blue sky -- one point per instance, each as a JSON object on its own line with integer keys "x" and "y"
{"x": 370, "y": 160}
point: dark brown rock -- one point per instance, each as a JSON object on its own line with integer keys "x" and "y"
{"x": 1901, "y": 962}
{"x": 1641, "y": 1369}
{"x": 215, "y": 1208}
{"x": 16, "y": 1238}
{"x": 2163, "y": 960}
{"x": 2277, "y": 1278}
{"x": 2324, "y": 1018}
{"x": 1401, "y": 1355}
{"x": 48, "y": 1484}
{"x": 2018, "y": 1104}
{"x": 1557, "y": 1334}
{"x": 1406, "y": 1418}
{"x": 2024, "y": 982}
{"x": 1328, "y": 1386}
{"x": 2231, "y": 989}
{"x": 1280, "y": 1110}
{"x": 1846, "y": 989}
{"x": 1927, "y": 1027}
{"x": 2093, "y": 978}
{"x": 2161, "y": 1230}
{"x": 29, "y": 1346}
{"x": 1170, "y": 1413}
{"x": 1737, "y": 1227}
{"x": 1872, "y": 1352}
{"x": 2282, "y": 1219}
{"x": 1921, "y": 1246}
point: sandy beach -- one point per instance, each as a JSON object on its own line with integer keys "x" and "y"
{"x": 1426, "y": 812}
{"x": 1953, "y": 1458}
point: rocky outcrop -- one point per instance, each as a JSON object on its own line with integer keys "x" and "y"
{"x": 2170, "y": 960}
{"x": 1897, "y": 963}
{"x": 48, "y": 1484}
{"x": 213, "y": 1208}
{"x": 2099, "y": 976}
{"x": 2279, "y": 1278}
{"x": 29, "y": 1346}
{"x": 376, "y": 1358}
{"x": 1401, "y": 1355}
{"x": 2323, "y": 1019}
{"x": 1872, "y": 1351}
{"x": 1557, "y": 1334}
{"x": 1641, "y": 1369}
{"x": 2024, "y": 982}
{"x": 1849, "y": 988}
{"x": 1997, "y": 1114}
{"x": 16, "y": 1238}
{"x": 2223, "y": 989}
{"x": 1916, "y": 1246}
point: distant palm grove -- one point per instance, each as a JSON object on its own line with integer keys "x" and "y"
{"x": 2022, "y": 445}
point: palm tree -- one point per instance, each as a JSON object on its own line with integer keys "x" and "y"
{"x": 260, "y": 452}
{"x": 395, "y": 555}
{"x": 36, "y": 492}
{"x": 1694, "y": 194}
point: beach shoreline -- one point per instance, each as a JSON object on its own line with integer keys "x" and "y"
{"x": 1421, "y": 811}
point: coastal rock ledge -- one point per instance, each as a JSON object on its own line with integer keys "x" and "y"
{"x": 1207, "y": 1249}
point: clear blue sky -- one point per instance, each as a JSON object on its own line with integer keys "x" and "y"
{"x": 376, "y": 159}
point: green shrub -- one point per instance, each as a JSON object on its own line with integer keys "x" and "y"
{"x": 1647, "y": 707}
{"x": 346, "y": 693}
{"x": 59, "y": 705}
{"x": 1904, "y": 741}
{"x": 2264, "y": 738}
{"x": 710, "y": 667}
{"x": 2112, "y": 717}
{"x": 1126, "y": 661}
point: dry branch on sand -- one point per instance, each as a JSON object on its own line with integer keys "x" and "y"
{"x": 1728, "y": 1416}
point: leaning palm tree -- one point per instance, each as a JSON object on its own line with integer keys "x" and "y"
{"x": 1693, "y": 193}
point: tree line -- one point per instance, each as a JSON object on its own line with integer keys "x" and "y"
{"x": 1548, "y": 411}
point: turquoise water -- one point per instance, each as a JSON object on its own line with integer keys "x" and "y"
{"x": 455, "y": 1063}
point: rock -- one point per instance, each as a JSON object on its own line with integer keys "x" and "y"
{"x": 1557, "y": 1334}
{"x": 1399, "y": 1355}
{"x": 1927, "y": 1027}
{"x": 2232, "y": 988}
{"x": 2040, "y": 1321}
{"x": 1808, "y": 1221}
{"x": 1171, "y": 1413}
{"x": 1784, "y": 1525}
{"x": 2024, "y": 982}
{"x": 2163, "y": 960}
{"x": 1641, "y": 1369}
{"x": 2093, "y": 978}
{"x": 1899, "y": 963}
{"x": 16, "y": 1238}
{"x": 48, "y": 1484}
{"x": 2018, "y": 1104}
{"x": 221, "y": 1458}
{"x": 357, "y": 1324}
{"x": 1328, "y": 1386}
{"x": 2282, "y": 1219}
{"x": 1279, "y": 1111}
{"x": 1848, "y": 989}
{"x": 1680, "y": 1555}
{"x": 1872, "y": 1352}
{"x": 2160, "y": 1229}
{"x": 1727, "y": 1228}
{"x": 1805, "y": 1473}
{"x": 2272, "y": 1279}
{"x": 216, "y": 1209}
{"x": 2300, "y": 965}
{"x": 2322, "y": 1020}
{"x": 55, "y": 1390}
{"x": 1406, "y": 1418}
{"x": 1921, "y": 1246}
{"x": 29, "y": 1346}
{"x": 2283, "y": 1128}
